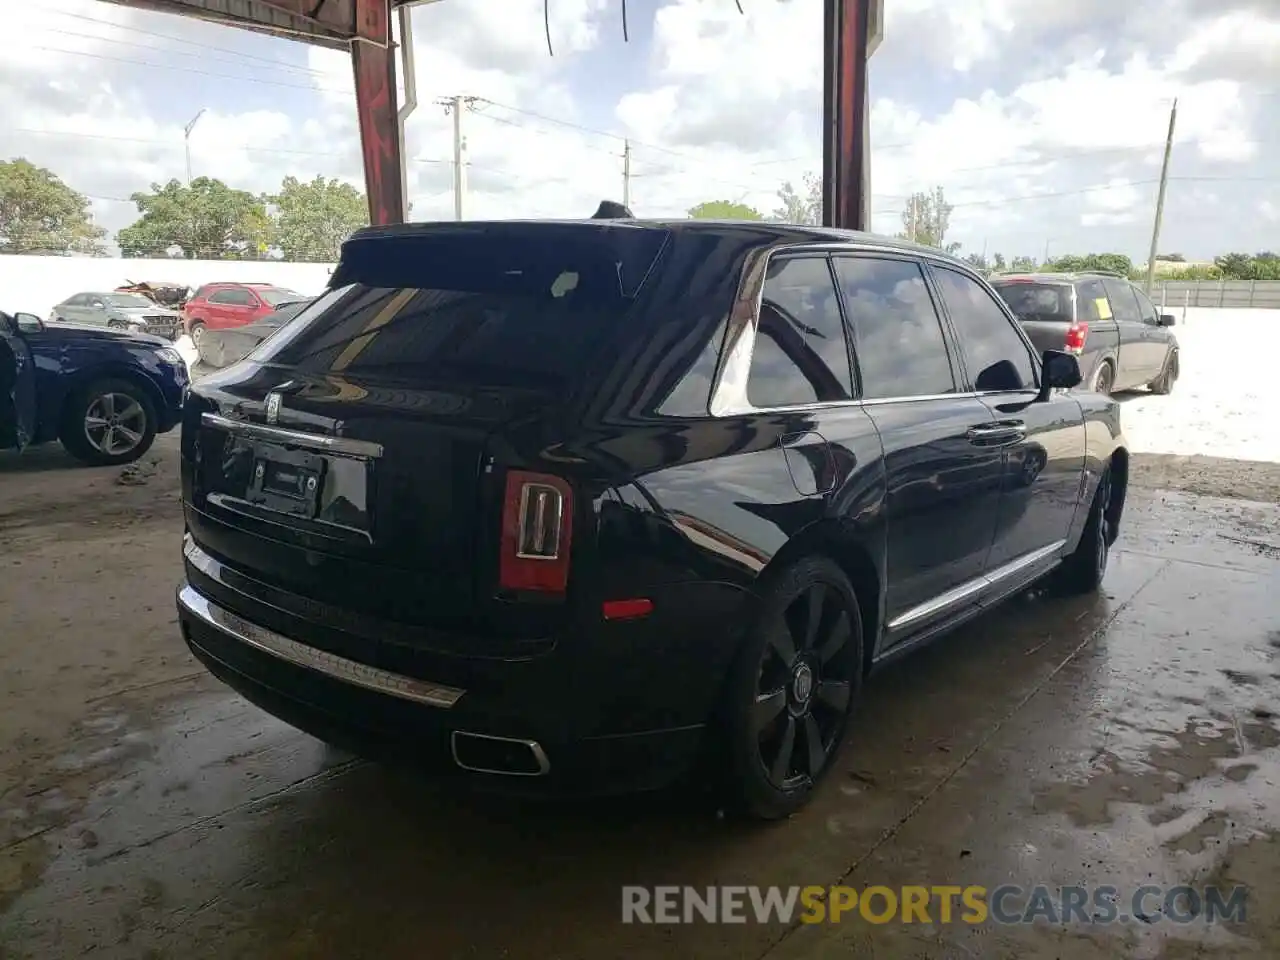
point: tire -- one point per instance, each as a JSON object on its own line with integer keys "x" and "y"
{"x": 1083, "y": 569}
{"x": 197, "y": 331}
{"x": 114, "y": 325}
{"x": 790, "y": 684}
{"x": 106, "y": 445}
{"x": 1104, "y": 378}
{"x": 1163, "y": 384}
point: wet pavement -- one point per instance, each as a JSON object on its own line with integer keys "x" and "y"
{"x": 1126, "y": 739}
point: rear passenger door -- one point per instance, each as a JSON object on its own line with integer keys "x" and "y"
{"x": 1041, "y": 442}
{"x": 942, "y": 480}
{"x": 1134, "y": 368}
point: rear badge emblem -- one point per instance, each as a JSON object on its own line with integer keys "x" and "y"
{"x": 273, "y": 408}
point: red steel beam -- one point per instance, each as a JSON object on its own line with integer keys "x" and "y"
{"x": 374, "y": 65}
{"x": 843, "y": 113}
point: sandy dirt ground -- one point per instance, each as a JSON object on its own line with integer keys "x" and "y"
{"x": 1126, "y": 739}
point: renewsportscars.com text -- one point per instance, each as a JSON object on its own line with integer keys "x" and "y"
{"x": 1007, "y": 904}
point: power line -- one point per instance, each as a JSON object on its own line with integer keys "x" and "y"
{"x": 203, "y": 73}
{"x": 167, "y": 36}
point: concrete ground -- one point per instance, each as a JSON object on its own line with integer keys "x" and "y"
{"x": 1126, "y": 739}
{"x": 145, "y": 811}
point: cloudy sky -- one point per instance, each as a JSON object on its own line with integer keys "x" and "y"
{"x": 1043, "y": 121}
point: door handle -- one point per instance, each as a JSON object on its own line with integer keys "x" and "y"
{"x": 997, "y": 434}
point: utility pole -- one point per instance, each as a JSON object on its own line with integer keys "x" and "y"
{"x": 1164, "y": 183}
{"x": 459, "y": 162}
{"x": 456, "y": 105}
{"x": 626, "y": 174}
{"x": 186, "y": 141}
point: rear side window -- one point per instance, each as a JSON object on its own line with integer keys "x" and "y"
{"x": 1123, "y": 303}
{"x": 506, "y": 305}
{"x": 1091, "y": 302}
{"x": 1037, "y": 301}
{"x": 994, "y": 352}
{"x": 897, "y": 336}
{"x": 800, "y": 354}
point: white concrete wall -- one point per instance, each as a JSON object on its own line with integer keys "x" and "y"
{"x": 35, "y": 284}
{"x": 1226, "y": 402}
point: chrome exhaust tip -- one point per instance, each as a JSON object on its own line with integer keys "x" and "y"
{"x": 504, "y": 756}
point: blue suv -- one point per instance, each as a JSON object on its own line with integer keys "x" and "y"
{"x": 104, "y": 393}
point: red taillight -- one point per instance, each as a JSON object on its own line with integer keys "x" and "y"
{"x": 1076, "y": 335}
{"x": 537, "y": 531}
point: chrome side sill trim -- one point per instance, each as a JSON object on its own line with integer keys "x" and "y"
{"x": 963, "y": 592}
{"x": 534, "y": 748}
{"x": 314, "y": 441}
{"x": 320, "y": 661}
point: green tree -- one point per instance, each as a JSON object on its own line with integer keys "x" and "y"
{"x": 724, "y": 210}
{"x": 41, "y": 214}
{"x": 1023, "y": 265}
{"x": 1107, "y": 262}
{"x": 313, "y": 218}
{"x": 206, "y": 220}
{"x": 805, "y": 206}
{"x": 998, "y": 263}
{"x": 927, "y": 218}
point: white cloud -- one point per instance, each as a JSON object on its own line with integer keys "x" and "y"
{"x": 1037, "y": 122}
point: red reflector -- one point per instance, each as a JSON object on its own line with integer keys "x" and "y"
{"x": 627, "y": 609}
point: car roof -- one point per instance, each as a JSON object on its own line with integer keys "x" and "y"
{"x": 767, "y": 232}
{"x": 1063, "y": 278}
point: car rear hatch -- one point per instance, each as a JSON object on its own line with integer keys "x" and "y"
{"x": 356, "y": 457}
{"x": 1045, "y": 307}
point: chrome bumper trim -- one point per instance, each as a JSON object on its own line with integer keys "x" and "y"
{"x": 314, "y": 441}
{"x": 310, "y": 658}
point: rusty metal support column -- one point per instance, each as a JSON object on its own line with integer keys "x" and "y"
{"x": 373, "y": 58}
{"x": 844, "y": 112}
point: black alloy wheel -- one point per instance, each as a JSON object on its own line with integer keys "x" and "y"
{"x": 795, "y": 684}
{"x": 1083, "y": 569}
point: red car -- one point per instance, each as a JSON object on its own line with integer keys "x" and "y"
{"x": 221, "y": 306}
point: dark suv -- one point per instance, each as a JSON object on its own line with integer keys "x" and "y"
{"x": 1121, "y": 339}
{"x": 583, "y": 505}
{"x": 105, "y": 393}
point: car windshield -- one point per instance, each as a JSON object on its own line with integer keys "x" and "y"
{"x": 274, "y": 296}
{"x": 127, "y": 301}
{"x": 1030, "y": 300}
{"x": 507, "y": 306}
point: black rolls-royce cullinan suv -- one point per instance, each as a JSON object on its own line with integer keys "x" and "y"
{"x": 581, "y": 506}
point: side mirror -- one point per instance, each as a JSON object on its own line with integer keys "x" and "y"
{"x": 1058, "y": 371}
{"x": 1166, "y": 320}
{"x": 28, "y": 322}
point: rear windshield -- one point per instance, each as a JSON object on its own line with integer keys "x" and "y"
{"x": 1037, "y": 301}
{"x": 502, "y": 306}
{"x": 274, "y": 296}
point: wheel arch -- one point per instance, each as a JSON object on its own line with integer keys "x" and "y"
{"x": 848, "y": 549}
{"x": 110, "y": 371}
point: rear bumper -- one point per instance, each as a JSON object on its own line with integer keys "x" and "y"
{"x": 365, "y": 717}
{"x": 553, "y": 734}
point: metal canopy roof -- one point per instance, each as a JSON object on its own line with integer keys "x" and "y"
{"x": 327, "y": 23}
